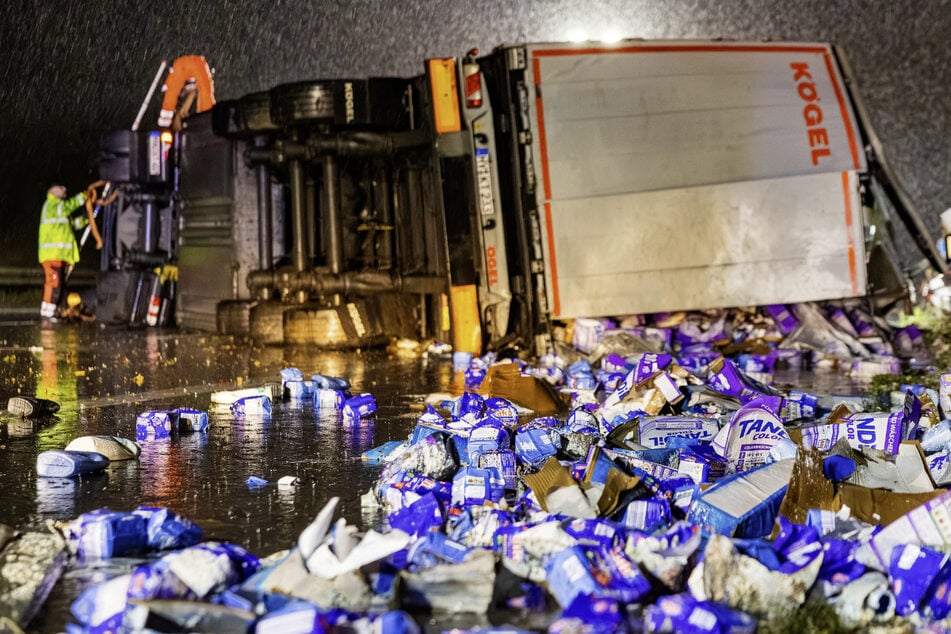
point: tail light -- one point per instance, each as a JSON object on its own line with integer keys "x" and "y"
{"x": 473, "y": 80}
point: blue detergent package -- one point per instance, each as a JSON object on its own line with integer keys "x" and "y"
{"x": 684, "y": 614}
{"x": 474, "y": 377}
{"x": 504, "y": 461}
{"x": 167, "y": 530}
{"x": 594, "y": 571}
{"x": 259, "y": 406}
{"x": 359, "y": 407}
{"x": 486, "y": 438}
{"x": 297, "y": 616}
{"x": 434, "y": 549}
{"x": 472, "y": 485}
{"x": 502, "y": 410}
{"x": 155, "y": 425}
{"x": 647, "y": 515}
{"x": 534, "y": 446}
{"x": 297, "y": 391}
{"x": 255, "y": 482}
{"x": 100, "y": 608}
{"x": 582, "y": 420}
{"x": 327, "y": 399}
{"x": 191, "y": 420}
{"x": 421, "y": 516}
{"x": 469, "y": 407}
{"x": 104, "y": 534}
{"x": 323, "y": 382}
{"x": 913, "y": 570}
{"x": 839, "y": 566}
{"x": 591, "y": 615}
{"x": 798, "y": 545}
{"x": 594, "y": 532}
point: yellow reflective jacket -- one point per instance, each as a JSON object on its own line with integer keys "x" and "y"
{"x": 57, "y": 240}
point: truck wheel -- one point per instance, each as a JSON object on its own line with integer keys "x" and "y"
{"x": 315, "y": 326}
{"x": 255, "y": 112}
{"x": 266, "y": 323}
{"x": 234, "y": 317}
{"x": 306, "y": 101}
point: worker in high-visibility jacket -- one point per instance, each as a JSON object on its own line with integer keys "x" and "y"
{"x": 59, "y": 251}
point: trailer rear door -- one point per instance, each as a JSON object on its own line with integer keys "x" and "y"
{"x": 680, "y": 176}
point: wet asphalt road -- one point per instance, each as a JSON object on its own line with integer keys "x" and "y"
{"x": 104, "y": 376}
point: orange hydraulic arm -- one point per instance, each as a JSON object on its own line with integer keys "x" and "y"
{"x": 184, "y": 69}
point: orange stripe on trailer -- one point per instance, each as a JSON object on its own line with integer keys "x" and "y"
{"x": 846, "y": 190}
{"x": 556, "y": 299}
{"x": 681, "y": 48}
{"x": 466, "y": 325}
{"x": 442, "y": 83}
{"x": 542, "y": 142}
{"x": 846, "y": 120}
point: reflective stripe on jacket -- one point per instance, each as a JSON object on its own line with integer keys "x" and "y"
{"x": 57, "y": 240}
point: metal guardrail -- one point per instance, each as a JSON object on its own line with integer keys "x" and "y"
{"x": 33, "y": 276}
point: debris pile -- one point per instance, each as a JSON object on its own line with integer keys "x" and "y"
{"x": 648, "y": 479}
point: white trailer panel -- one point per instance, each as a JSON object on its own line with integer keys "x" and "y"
{"x": 666, "y": 170}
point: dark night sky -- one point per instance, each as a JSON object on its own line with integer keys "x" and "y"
{"x": 72, "y": 70}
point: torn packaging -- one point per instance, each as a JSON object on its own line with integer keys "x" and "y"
{"x": 506, "y": 381}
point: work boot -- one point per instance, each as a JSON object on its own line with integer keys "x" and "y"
{"x": 31, "y": 407}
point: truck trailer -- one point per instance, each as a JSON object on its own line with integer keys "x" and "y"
{"x": 495, "y": 195}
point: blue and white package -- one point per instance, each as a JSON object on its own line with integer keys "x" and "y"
{"x": 799, "y": 405}
{"x": 193, "y": 420}
{"x": 154, "y": 425}
{"x": 647, "y": 515}
{"x": 581, "y": 420}
{"x": 503, "y": 411}
{"x": 100, "y": 608}
{"x": 587, "y": 334}
{"x": 422, "y": 516}
{"x": 433, "y": 549}
{"x": 298, "y": 390}
{"x": 597, "y": 572}
{"x": 472, "y": 485}
{"x": 912, "y": 571}
{"x": 259, "y": 406}
{"x": 504, "y": 461}
{"x": 744, "y": 504}
{"x": 487, "y": 438}
{"x": 747, "y": 439}
{"x": 359, "y": 407}
{"x": 533, "y": 446}
{"x": 323, "y": 382}
{"x": 295, "y": 616}
{"x": 881, "y": 431}
{"x": 104, "y": 534}
{"x": 684, "y": 614}
{"x": 468, "y": 407}
{"x": 166, "y": 530}
{"x": 701, "y": 464}
{"x": 655, "y": 431}
{"x": 329, "y": 399}
{"x": 474, "y": 377}
{"x": 291, "y": 374}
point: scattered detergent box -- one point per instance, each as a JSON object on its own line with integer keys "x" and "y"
{"x": 926, "y": 525}
{"x": 504, "y": 461}
{"x": 588, "y": 333}
{"x": 252, "y": 406}
{"x": 329, "y": 399}
{"x": 785, "y": 320}
{"x": 646, "y": 515}
{"x": 298, "y": 389}
{"x": 747, "y": 439}
{"x": 745, "y": 504}
{"x": 633, "y": 460}
{"x": 359, "y": 407}
{"x": 875, "y": 431}
{"x": 655, "y": 431}
{"x": 533, "y": 445}
{"x": 590, "y": 571}
{"x": 153, "y": 425}
{"x": 701, "y": 464}
{"x": 193, "y": 420}
{"x": 104, "y": 534}
{"x": 486, "y": 438}
{"x": 944, "y": 394}
{"x": 939, "y": 464}
{"x": 473, "y": 485}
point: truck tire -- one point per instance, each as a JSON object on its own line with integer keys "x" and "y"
{"x": 316, "y": 326}
{"x": 254, "y": 112}
{"x": 234, "y": 318}
{"x": 302, "y": 102}
{"x": 266, "y": 323}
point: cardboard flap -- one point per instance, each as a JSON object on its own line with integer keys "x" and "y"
{"x": 808, "y": 488}
{"x": 505, "y": 381}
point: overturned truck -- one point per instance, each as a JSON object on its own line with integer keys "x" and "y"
{"x": 491, "y": 196}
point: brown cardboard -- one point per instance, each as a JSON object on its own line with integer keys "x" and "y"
{"x": 616, "y": 485}
{"x": 552, "y": 476}
{"x": 505, "y": 381}
{"x": 810, "y": 489}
